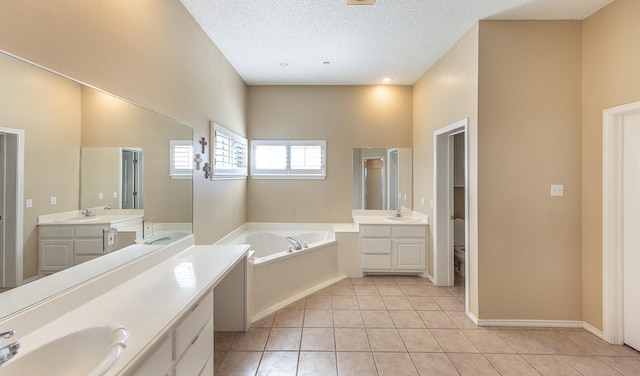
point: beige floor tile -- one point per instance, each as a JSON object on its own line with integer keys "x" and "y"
{"x": 318, "y": 339}
{"x": 395, "y": 303}
{"x": 594, "y": 345}
{"x": 370, "y": 302}
{"x": 240, "y": 363}
{"x": 461, "y": 320}
{"x": 550, "y": 365}
{"x": 447, "y": 303}
{"x": 347, "y": 318}
{"x": 412, "y": 290}
{"x": 351, "y": 339}
{"x": 472, "y": 365}
{"x": 218, "y": 358}
{"x": 424, "y": 303}
{"x": 589, "y": 366}
{"x": 344, "y": 282}
{"x": 625, "y": 365}
{"x": 385, "y": 340}
{"x": 419, "y": 340}
{"x": 363, "y": 289}
{"x": 431, "y": 290}
{"x": 317, "y": 364}
{"x": 342, "y": 290}
{"x": 254, "y": 339}
{"x": 319, "y": 302}
{"x": 488, "y": 342}
{"x": 223, "y": 340}
{"x": 384, "y": 279}
{"x": 511, "y": 365}
{"x": 284, "y": 339}
{"x": 377, "y": 319}
{"x": 362, "y": 281}
{"x": 318, "y": 318}
{"x": 322, "y": 292}
{"x": 433, "y": 364}
{"x": 557, "y": 343}
{"x": 394, "y": 364}
{"x": 344, "y": 302}
{"x": 405, "y": 280}
{"x": 298, "y": 304}
{"x": 265, "y": 322}
{"x": 281, "y": 363}
{"x": 289, "y": 319}
{"x": 356, "y": 364}
{"x": 406, "y": 319}
{"x": 456, "y": 290}
{"x": 453, "y": 340}
{"x": 522, "y": 342}
{"x": 389, "y": 289}
{"x": 436, "y": 320}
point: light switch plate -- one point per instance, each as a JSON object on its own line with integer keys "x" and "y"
{"x": 53, "y": 200}
{"x": 100, "y": 196}
{"x": 557, "y": 190}
{"x": 29, "y": 203}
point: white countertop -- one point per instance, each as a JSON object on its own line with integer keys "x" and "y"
{"x": 385, "y": 217}
{"x": 148, "y": 304}
{"x": 101, "y": 217}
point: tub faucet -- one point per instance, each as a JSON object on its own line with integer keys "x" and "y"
{"x": 297, "y": 246}
{"x": 9, "y": 351}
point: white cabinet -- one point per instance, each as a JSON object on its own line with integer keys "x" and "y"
{"x": 63, "y": 246}
{"x": 398, "y": 248}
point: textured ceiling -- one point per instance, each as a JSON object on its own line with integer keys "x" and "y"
{"x": 397, "y": 38}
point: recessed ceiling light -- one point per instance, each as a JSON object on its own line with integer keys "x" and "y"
{"x": 386, "y": 80}
{"x": 283, "y": 63}
{"x": 360, "y": 2}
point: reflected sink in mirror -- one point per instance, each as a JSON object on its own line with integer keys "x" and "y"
{"x": 90, "y": 351}
{"x": 79, "y": 219}
{"x": 402, "y": 219}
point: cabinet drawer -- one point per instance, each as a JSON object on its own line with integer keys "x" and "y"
{"x": 55, "y": 232}
{"x": 89, "y": 231}
{"x": 196, "y": 357}
{"x": 376, "y": 231}
{"x": 192, "y": 325}
{"x": 88, "y": 246}
{"x": 376, "y": 262}
{"x": 410, "y": 231}
{"x": 208, "y": 368}
{"x": 159, "y": 362}
{"x": 376, "y": 246}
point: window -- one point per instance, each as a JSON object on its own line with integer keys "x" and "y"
{"x": 181, "y": 159}
{"x": 229, "y": 154}
{"x": 280, "y": 159}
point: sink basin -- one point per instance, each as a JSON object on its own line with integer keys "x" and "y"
{"x": 402, "y": 219}
{"x": 90, "y": 351}
{"x": 78, "y": 219}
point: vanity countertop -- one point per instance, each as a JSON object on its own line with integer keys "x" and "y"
{"x": 387, "y": 217}
{"x": 148, "y": 304}
{"x": 102, "y": 217}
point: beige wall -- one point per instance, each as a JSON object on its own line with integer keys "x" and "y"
{"x": 610, "y": 78}
{"x": 152, "y": 53}
{"x": 447, "y": 93}
{"x": 47, "y": 108}
{"x": 345, "y": 116}
{"x": 529, "y": 138}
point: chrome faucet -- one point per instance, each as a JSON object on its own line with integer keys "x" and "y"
{"x": 107, "y": 207}
{"x": 297, "y": 246}
{"x": 9, "y": 351}
{"x": 87, "y": 213}
{"x": 398, "y": 214}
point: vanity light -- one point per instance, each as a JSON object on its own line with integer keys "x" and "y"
{"x": 387, "y": 80}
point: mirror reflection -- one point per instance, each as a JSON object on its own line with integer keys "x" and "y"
{"x": 83, "y": 149}
{"x": 382, "y": 178}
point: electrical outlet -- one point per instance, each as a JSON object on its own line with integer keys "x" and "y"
{"x": 557, "y": 190}
{"x": 53, "y": 200}
{"x": 29, "y": 203}
{"x": 421, "y": 200}
{"x": 115, "y": 194}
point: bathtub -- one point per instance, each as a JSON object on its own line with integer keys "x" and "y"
{"x": 279, "y": 276}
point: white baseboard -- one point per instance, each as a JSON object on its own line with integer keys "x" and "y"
{"x": 529, "y": 323}
{"x": 591, "y": 329}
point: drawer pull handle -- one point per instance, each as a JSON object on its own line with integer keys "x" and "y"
{"x": 195, "y": 339}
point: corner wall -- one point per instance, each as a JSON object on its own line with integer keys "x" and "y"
{"x": 610, "y": 78}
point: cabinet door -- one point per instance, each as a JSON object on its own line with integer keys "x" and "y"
{"x": 376, "y": 262}
{"x": 409, "y": 254}
{"x": 55, "y": 255}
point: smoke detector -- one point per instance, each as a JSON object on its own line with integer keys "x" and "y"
{"x": 360, "y": 2}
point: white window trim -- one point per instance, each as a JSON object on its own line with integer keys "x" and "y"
{"x": 287, "y": 173}
{"x": 181, "y": 173}
{"x": 219, "y": 173}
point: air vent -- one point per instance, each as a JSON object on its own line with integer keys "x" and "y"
{"x": 360, "y": 2}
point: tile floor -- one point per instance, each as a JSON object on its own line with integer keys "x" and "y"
{"x": 386, "y": 325}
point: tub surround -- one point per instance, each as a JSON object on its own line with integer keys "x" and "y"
{"x": 148, "y": 297}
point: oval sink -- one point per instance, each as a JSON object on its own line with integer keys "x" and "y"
{"x": 90, "y": 351}
{"x": 402, "y": 219}
{"x": 78, "y": 219}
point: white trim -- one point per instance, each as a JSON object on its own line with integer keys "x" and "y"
{"x": 443, "y": 186}
{"x": 19, "y": 218}
{"x": 591, "y": 329}
{"x": 612, "y": 221}
{"x": 532, "y": 323}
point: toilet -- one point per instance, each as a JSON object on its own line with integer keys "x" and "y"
{"x": 458, "y": 246}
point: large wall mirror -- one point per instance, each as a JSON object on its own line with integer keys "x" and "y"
{"x": 382, "y": 178}
{"x": 69, "y": 129}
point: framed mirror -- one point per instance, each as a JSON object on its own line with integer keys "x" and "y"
{"x": 382, "y": 178}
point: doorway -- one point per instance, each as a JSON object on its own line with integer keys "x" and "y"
{"x": 451, "y": 182}
{"x": 393, "y": 197}
{"x": 11, "y": 210}
{"x": 621, "y": 218}
{"x": 131, "y": 179}
{"x": 373, "y": 192}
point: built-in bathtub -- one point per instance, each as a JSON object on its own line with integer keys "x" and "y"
{"x": 279, "y": 275}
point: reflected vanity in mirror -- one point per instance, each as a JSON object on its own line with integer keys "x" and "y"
{"x": 382, "y": 178}
{"x": 82, "y": 149}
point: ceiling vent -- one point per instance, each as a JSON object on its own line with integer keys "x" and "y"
{"x": 360, "y": 2}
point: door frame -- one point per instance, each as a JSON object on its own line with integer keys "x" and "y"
{"x": 13, "y": 278}
{"x": 393, "y": 178}
{"x": 612, "y": 221}
{"x": 443, "y": 198}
